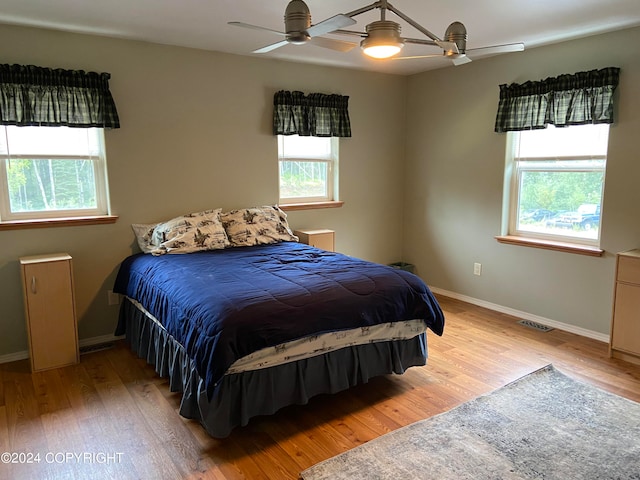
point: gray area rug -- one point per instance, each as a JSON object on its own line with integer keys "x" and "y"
{"x": 542, "y": 426}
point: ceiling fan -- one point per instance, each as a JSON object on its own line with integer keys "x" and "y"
{"x": 299, "y": 30}
{"x": 457, "y": 33}
{"x": 381, "y": 38}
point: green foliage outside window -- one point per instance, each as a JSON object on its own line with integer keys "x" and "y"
{"x": 50, "y": 184}
{"x": 560, "y": 191}
{"x": 303, "y": 179}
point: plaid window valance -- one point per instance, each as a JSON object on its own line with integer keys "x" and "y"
{"x": 578, "y": 99}
{"x": 316, "y": 114}
{"x": 39, "y": 96}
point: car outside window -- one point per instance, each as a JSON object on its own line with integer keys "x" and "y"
{"x": 556, "y": 182}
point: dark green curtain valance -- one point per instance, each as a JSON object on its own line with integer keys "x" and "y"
{"x": 39, "y": 96}
{"x": 578, "y": 99}
{"x": 316, "y": 114}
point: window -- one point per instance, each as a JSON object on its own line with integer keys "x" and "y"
{"x": 556, "y": 180}
{"x": 52, "y": 172}
{"x": 308, "y": 169}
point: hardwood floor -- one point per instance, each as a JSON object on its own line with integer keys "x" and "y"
{"x": 112, "y": 417}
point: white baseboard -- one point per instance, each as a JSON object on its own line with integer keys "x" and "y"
{"x": 96, "y": 340}
{"x": 13, "y": 357}
{"x": 524, "y": 315}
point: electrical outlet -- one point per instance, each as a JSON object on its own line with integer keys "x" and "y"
{"x": 477, "y": 269}
{"x": 113, "y": 298}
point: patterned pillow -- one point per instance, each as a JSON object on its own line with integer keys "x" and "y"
{"x": 190, "y": 233}
{"x": 257, "y": 226}
{"x": 143, "y": 233}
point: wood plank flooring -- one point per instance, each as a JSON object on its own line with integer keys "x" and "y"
{"x": 112, "y": 417}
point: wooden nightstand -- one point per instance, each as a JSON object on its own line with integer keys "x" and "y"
{"x": 625, "y": 322}
{"x": 324, "y": 239}
{"x": 47, "y": 282}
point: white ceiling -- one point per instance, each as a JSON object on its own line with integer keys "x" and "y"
{"x": 203, "y": 24}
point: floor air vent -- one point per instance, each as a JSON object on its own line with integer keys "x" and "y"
{"x": 95, "y": 348}
{"x": 537, "y": 326}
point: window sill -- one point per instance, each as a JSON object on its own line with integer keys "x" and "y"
{"x": 551, "y": 245}
{"x": 58, "y": 222}
{"x": 289, "y": 207}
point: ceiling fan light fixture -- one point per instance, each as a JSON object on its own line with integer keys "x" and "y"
{"x": 383, "y": 39}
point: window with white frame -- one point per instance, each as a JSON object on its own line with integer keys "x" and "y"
{"x": 555, "y": 179}
{"x": 308, "y": 169}
{"x": 52, "y": 172}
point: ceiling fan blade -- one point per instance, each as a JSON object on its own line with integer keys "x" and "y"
{"x": 255, "y": 27}
{"x": 448, "y": 46}
{"x": 353, "y": 33}
{"x": 417, "y": 56}
{"x": 495, "y": 49}
{"x": 338, "y": 45}
{"x": 461, "y": 60}
{"x": 271, "y": 47}
{"x": 330, "y": 24}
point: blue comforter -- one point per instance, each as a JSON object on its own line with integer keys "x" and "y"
{"x": 224, "y": 304}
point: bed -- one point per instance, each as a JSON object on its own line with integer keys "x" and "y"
{"x": 244, "y": 331}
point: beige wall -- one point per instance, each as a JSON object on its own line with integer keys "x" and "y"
{"x": 196, "y": 134}
{"x": 426, "y": 187}
{"x": 453, "y": 190}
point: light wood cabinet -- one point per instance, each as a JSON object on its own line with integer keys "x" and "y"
{"x": 47, "y": 282}
{"x": 324, "y": 239}
{"x": 625, "y": 323}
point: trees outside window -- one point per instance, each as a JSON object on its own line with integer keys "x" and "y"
{"x": 52, "y": 172}
{"x": 556, "y": 178}
{"x": 308, "y": 169}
